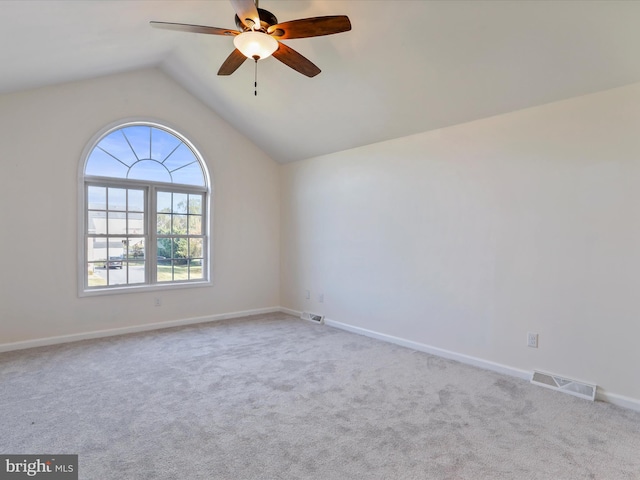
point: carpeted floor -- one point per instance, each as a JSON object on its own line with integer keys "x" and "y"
{"x": 274, "y": 397}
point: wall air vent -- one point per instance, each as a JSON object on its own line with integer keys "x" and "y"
{"x": 312, "y": 317}
{"x": 566, "y": 385}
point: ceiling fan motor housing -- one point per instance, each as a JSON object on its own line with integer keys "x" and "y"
{"x": 266, "y": 20}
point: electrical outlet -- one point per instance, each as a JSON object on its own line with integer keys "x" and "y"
{"x": 307, "y": 294}
{"x": 321, "y": 298}
{"x": 532, "y": 340}
{"x": 157, "y": 302}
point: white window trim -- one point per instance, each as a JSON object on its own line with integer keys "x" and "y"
{"x": 83, "y": 290}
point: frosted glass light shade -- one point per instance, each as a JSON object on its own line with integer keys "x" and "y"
{"x": 253, "y": 44}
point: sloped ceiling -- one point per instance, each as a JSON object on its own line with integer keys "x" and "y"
{"x": 407, "y": 66}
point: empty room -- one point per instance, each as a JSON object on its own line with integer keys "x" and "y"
{"x": 320, "y": 239}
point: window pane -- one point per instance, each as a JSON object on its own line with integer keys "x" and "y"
{"x": 189, "y": 175}
{"x": 195, "y": 204}
{"x": 180, "y": 248}
{"x": 181, "y": 157}
{"x": 117, "y": 277}
{"x": 95, "y": 276}
{"x": 117, "y": 223}
{"x": 164, "y": 223}
{"x": 165, "y": 270}
{"x": 164, "y": 202}
{"x": 140, "y": 139}
{"x": 149, "y": 170}
{"x": 195, "y": 270}
{"x": 195, "y": 225}
{"x": 97, "y": 223}
{"x": 116, "y": 248}
{"x": 180, "y": 202}
{"x": 117, "y": 146}
{"x": 162, "y": 144}
{"x": 136, "y": 249}
{"x": 136, "y": 224}
{"x": 96, "y": 249}
{"x": 136, "y": 271}
{"x": 180, "y": 270}
{"x": 195, "y": 247}
{"x": 117, "y": 199}
{"x": 179, "y": 224}
{"x": 103, "y": 165}
{"x": 164, "y": 251}
{"x": 97, "y": 198}
{"x": 136, "y": 200}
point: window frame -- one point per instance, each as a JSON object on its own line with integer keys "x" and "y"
{"x": 150, "y": 189}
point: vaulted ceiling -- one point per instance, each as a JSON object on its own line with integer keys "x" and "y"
{"x": 407, "y": 66}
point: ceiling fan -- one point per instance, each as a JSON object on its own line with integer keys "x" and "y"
{"x": 259, "y": 34}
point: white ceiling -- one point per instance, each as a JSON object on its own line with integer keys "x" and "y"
{"x": 407, "y": 66}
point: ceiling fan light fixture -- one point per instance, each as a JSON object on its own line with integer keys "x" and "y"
{"x": 255, "y": 44}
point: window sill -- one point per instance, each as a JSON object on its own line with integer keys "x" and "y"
{"x": 142, "y": 288}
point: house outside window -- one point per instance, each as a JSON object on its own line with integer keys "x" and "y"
{"x": 144, "y": 221}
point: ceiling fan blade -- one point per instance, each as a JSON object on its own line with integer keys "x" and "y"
{"x": 293, "y": 59}
{"x": 184, "y": 27}
{"x": 247, "y": 12}
{"x": 232, "y": 63}
{"x": 310, "y": 27}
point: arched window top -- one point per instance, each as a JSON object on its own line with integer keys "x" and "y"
{"x": 145, "y": 152}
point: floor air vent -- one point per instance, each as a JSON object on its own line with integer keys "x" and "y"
{"x": 572, "y": 387}
{"x": 312, "y": 317}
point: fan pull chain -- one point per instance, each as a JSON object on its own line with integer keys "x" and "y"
{"x": 255, "y": 78}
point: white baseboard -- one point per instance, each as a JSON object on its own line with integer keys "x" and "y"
{"x": 42, "y": 342}
{"x": 601, "y": 395}
{"x": 618, "y": 400}
{"x": 421, "y": 347}
{"x": 288, "y": 311}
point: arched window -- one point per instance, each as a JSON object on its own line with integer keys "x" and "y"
{"x": 144, "y": 221}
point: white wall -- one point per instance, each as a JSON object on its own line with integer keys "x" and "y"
{"x": 463, "y": 238}
{"x": 42, "y": 135}
{"x": 468, "y": 237}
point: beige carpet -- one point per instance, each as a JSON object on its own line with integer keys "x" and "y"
{"x": 273, "y": 397}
